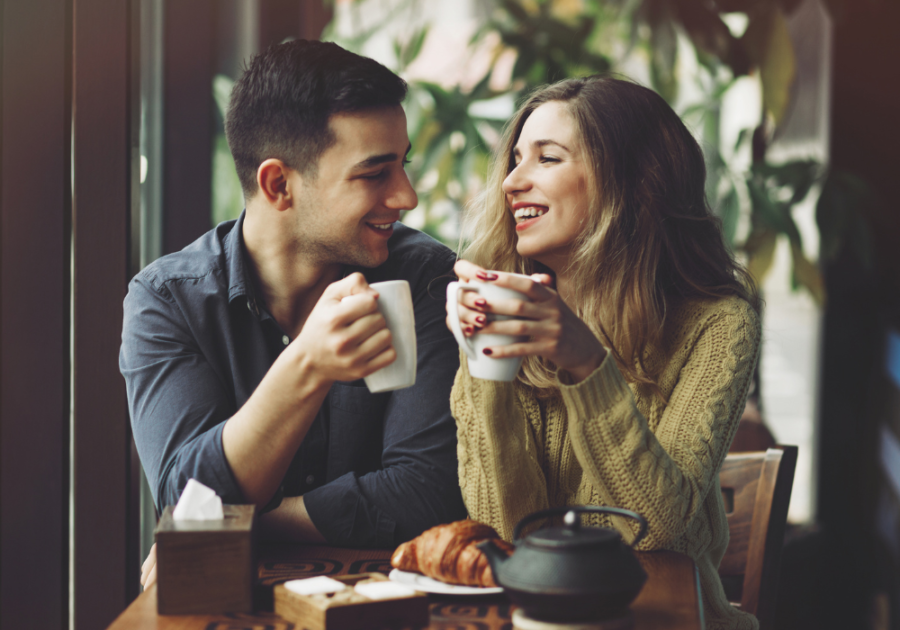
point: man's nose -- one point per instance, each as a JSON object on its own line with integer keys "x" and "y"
{"x": 402, "y": 195}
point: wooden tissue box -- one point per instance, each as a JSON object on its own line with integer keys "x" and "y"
{"x": 205, "y": 567}
{"x": 348, "y": 610}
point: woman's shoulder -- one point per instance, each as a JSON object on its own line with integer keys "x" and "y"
{"x": 692, "y": 317}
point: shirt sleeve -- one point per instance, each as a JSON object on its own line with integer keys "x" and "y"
{"x": 666, "y": 471}
{"x": 417, "y": 486}
{"x": 178, "y": 404}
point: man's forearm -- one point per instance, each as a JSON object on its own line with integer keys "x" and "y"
{"x": 260, "y": 440}
{"x": 290, "y": 522}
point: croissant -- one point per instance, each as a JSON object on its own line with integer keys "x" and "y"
{"x": 448, "y": 553}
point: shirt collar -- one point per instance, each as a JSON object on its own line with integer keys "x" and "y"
{"x": 241, "y": 285}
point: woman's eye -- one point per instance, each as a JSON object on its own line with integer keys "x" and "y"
{"x": 546, "y": 158}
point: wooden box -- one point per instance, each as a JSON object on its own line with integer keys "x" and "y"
{"x": 338, "y": 612}
{"x": 205, "y": 567}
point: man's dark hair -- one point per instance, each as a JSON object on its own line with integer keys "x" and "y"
{"x": 281, "y": 104}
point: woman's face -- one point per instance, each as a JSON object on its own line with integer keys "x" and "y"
{"x": 546, "y": 191}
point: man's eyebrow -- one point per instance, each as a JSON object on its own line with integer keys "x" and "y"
{"x": 375, "y": 160}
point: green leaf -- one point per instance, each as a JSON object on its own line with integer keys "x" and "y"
{"x": 760, "y": 248}
{"x": 763, "y": 208}
{"x": 799, "y": 175}
{"x": 807, "y": 274}
{"x": 729, "y": 211}
{"x": 839, "y": 217}
{"x": 769, "y": 43}
{"x": 741, "y": 137}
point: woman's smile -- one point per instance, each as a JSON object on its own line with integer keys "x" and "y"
{"x": 527, "y": 214}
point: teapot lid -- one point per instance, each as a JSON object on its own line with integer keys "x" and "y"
{"x": 572, "y": 535}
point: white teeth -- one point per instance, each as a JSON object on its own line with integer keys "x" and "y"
{"x": 383, "y": 226}
{"x": 523, "y": 213}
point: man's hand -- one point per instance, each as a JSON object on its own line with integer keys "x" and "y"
{"x": 345, "y": 338}
{"x": 148, "y": 569}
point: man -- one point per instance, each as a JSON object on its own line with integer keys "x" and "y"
{"x": 243, "y": 353}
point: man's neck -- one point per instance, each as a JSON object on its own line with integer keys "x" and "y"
{"x": 290, "y": 282}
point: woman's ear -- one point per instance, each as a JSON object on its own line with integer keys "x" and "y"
{"x": 272, "y": 180}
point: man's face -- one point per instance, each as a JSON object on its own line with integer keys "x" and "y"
{"x": 345, "y": 212}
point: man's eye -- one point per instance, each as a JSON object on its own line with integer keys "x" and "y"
{"x": 374, "y": 176}
{"x": 406, "y": 161}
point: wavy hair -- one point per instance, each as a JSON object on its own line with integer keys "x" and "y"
{"x": 649, "y": 240}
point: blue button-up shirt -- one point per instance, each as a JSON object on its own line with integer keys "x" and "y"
{"x": 374, "y": 469}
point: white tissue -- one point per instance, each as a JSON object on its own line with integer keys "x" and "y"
{"x": 383, "y": 590}
{"x": 315, "y": 586}
{"x": 198, "y": 503}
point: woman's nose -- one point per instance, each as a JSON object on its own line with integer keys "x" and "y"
{"x": 516, "y": 181}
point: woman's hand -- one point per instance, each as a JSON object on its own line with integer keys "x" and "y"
{"x": 553, "y": 330}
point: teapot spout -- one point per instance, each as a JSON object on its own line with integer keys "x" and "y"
{"x": 495, "y": 556}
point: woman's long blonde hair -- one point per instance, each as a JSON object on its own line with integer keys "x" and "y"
{"x": 650, "y": 239}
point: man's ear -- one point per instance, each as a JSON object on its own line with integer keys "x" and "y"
{"x": 272, "y": 180}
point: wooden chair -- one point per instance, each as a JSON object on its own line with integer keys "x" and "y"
{"x": 756, "y": 490}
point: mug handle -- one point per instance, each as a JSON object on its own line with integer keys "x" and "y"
{"x": 453, "y": 290}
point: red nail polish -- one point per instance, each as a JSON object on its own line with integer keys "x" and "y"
{"x": 481, "y": 302}
{"x": 469, "y": 330}
{"x": 488, "y": 351}
{"x": 486, "y": 275}
{"x": 480, "y": 319}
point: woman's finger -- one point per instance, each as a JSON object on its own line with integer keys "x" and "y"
{"x": 519, "y": 309}
{"x": 532, "y": 286}
{"x": 465, "y": 270}
{"x": 521, "y": 349}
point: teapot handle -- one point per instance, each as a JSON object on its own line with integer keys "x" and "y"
{"x": 582, "y": 509}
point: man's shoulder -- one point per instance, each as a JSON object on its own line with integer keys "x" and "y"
{"x": 204, "y": 259}
{"x": 412, "y": 251}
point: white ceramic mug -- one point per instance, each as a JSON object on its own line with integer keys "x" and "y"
{"x": 395, "y": 304}
{"x": 481, "y": 365}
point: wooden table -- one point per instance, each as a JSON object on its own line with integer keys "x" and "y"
{"x": 669, "y": 599}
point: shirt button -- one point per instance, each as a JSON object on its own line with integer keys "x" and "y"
{"x": 309, "y": 480}
{"x": 286, "y": 340}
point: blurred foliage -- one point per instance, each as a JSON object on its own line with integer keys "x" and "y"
{"x": 453, "y": 127}
{"x": 227, "y": 196}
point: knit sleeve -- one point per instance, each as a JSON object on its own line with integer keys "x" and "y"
{"x": 665, "y": 474}
{"x": 499, "y": 464}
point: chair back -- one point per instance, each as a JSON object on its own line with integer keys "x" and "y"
{"x": 756, "y": 490}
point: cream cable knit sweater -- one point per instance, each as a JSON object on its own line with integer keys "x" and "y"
{"x": 609, "y": 442}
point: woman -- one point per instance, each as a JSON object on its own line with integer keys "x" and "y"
{"x": 642, "y": 331}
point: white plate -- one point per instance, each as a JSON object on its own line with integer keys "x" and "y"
{"x": 429, "y": 585}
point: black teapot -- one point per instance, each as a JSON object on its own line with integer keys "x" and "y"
{"x": 570, "y": 573}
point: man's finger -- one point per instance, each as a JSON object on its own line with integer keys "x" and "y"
{"x": 354, "y": 307}
{"x": 351, "y": 285}
{"x": 151, "y": 578}
{"x": 366, "y": 326}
